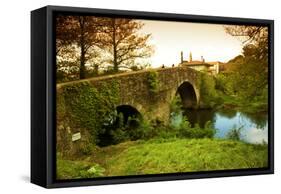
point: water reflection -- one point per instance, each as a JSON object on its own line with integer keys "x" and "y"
{"x": 254, "y": 127}
{"x": 200, "y": 116}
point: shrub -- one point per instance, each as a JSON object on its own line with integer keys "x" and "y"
{"x": 225, "y": 84}
{"x": 182, "y": 128}
{"x": 196, "y": 132}
{"x": 140, "y": 129}
{"x": 234, "y": 133}
{"x": 208, "y": 91}
{"x": 176, "y": 105}
{"x": 144, "y": 131}
{"x": 90, "y": 108}
{"x": 119, "y": 135}
{"x": 86, "y": 148}
{"x": 153, "y": 81}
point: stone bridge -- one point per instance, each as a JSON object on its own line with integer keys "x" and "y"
{"x": 137, "y": 97}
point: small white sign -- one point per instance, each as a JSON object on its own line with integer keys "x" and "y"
{"x": 76, "y": 136}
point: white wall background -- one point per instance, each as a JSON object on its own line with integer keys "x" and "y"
{"x": 15, "y": 94}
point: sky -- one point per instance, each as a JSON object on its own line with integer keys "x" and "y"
{"x": 207, "y": 40}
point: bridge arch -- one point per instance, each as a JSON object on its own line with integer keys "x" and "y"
{"x": 188, "y": 94}
{"x": 130, "y": 115}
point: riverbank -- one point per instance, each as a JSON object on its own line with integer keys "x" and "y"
{"x": 234, "y": 103}
{"x": 164, "y": 156}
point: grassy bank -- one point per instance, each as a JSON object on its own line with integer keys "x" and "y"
{"x": 165, "y": 156}
{"x": 234, "y": 103}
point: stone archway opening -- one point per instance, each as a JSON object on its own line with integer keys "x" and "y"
{"x": 187, "y": 94}
{"x": 128, "y": 116}
{"x": 126, "y": 119}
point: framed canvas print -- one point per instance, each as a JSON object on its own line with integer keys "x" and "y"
{"x": 126, "y": 96}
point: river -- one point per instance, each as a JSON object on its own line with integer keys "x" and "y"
{"x": 254, "y": 127}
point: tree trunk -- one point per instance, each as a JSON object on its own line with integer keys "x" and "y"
{"x": 82, "y": 51}
{"x": 96, "y": 69}
{"x": 82, "y": 62}
{"x": 115, "y": 67}
{"x": 115, "y": 64}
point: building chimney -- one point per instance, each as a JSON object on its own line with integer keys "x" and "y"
{"x": 202, "y": 59}
{"x": 190, "y": 57}
{"x": 181, "y": 57}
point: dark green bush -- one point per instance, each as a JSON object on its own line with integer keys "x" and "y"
{"x": 225, "y": 83}
{"x": 86, "y": 148}
{"x": 234, "y": 134}
{"x": 90, "y": 108}
{"x": 153, "y": 81}
{"x": 208, "y": 92}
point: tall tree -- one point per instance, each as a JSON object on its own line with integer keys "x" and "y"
{"x": 96, "y": 61}
{"x": 63, "y": 38}
{"x": 253, "y": 35}
{"x": 82, "y": 31}
{"x": 125, "y": 43}
{"x": 250, "y": 71}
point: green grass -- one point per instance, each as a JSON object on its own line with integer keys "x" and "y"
{"x": 166, "y": 156}
{"x": 67, "y": 169}
{"x": 186, "y": 156}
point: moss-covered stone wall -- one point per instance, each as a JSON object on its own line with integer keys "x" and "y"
{"x": 83, "y": 105}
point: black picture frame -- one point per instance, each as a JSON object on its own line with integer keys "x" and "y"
{"x": 43, "y": 91}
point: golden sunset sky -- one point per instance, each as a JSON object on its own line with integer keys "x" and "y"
{"x": 207, "y": 40}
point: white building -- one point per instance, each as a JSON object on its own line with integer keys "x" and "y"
{"x": 210, "y": 67}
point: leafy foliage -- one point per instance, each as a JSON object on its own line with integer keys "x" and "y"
{"x": 234, "y": 133}
{"x": 153, "y": 81}
{"x": 253, "y": 35}
{"x": 245, "y": 81}
{"x": 176, "y": 105}
{"x": 124, "y": 42}
{"x": 184, "y": 130}
{"x": 208, "y": 92}
{"x": 249, "y": 72}
{"x": 82, "y": 34}
{"x": 226, "y": 84}
{"x": 154, "y": 129}
{"x": 84, "y": 44}
{"x": 91, "y": 109}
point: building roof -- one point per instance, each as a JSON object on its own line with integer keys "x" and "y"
{"x": 215, "y": 62}
{"x": 196, "y": 63}
{"x": 200, "y": 63}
